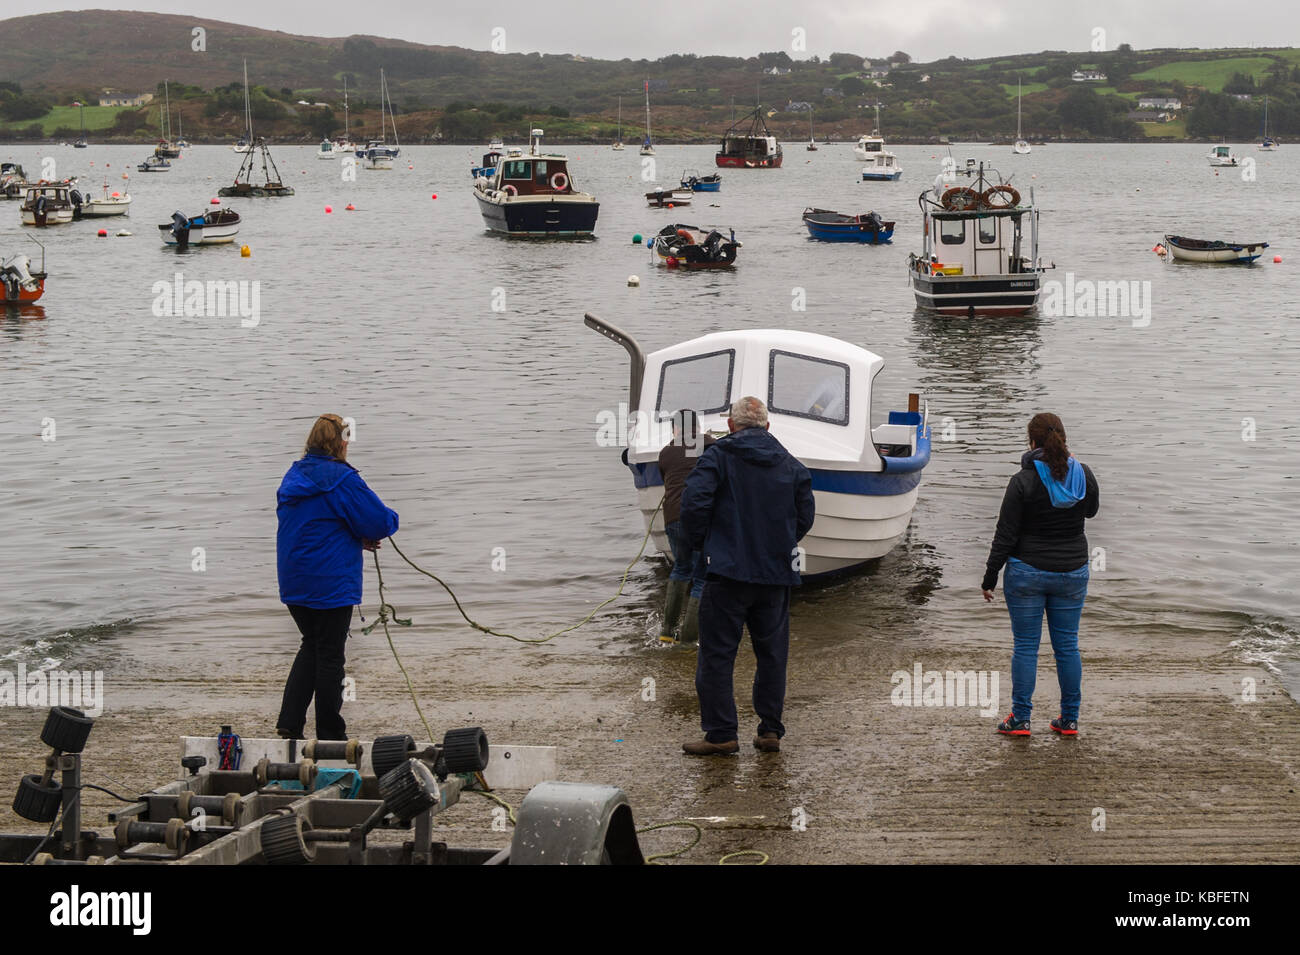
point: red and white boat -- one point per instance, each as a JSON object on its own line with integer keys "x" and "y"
{"x": 750, "y": 146}
{"x": 19, "y": 283}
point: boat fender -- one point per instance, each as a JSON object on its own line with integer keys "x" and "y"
{"x": 510, "y": 190}
{"x": 559, "y": 182}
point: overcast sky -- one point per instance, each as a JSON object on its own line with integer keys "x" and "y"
{"x": 926, "y": 29}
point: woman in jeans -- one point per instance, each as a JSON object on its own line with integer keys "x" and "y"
{"x": 1040, "y": 539}
{"x": 327, "y": 517}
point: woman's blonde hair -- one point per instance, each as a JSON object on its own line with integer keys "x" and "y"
{"x": 326, "y": 436}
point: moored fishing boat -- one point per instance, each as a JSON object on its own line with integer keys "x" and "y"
{"x": 882, "y": 167}
{"x": 692, "y": 248}
{"x": 1222, "y": 156}
{"x": 20, "y": 284}
{"x": 13, "y": 181}
{"x": 328, "y": 149}
{"x": 531, "y": 195}
{"x": 109, "y": 204}
{"x": 217, "y": 227}
{"x": 696, "y": 183}
{"x": 832, "y": 226}
{"x": 491, "y": 159}
{"x": 818, "y": 391}
{"x": 749, "y": 147}
{"x": 661, "y": 198}
{"x": 155, "y": 163}
{"x": 244, "y": 187}
{"x": 48, "y": 204}
{"x": 974, "y": 259}
{"x": 1210, "y": 250}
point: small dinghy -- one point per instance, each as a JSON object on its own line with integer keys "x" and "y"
{"x": 697, "y": 183}
{"x": 1203, "y": 250}
{"x": 212, "y": 228}
{"x": 20, "y": 284}
{"x": 818, "y": 392}
{"x": 690, "y": 247}
{"x": 109, "y": 204}
{"x": 837, "y": 227}
{"x": 662, "y": 198}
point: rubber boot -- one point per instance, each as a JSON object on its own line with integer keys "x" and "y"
{"x": 677, "y": 593}
{"x": 690, "y": 632}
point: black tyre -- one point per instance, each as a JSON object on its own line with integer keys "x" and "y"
{"x": 409, "y": 790}
{"x": 465, "y": 750}
{"x": 283, "y": 842}
{"x": 38, "y": 802}
{"x": 389, "y": 752}
{"x": 66, "y": 729}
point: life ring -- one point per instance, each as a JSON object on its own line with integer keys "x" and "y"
{"x": 995, "y": 192}
{"x": 685, "y": 236}
{"x": 559, "y": 182}
{"x": 510, "y": 190}
{"x": 960, "y": 199}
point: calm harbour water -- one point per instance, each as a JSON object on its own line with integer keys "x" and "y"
{"x": 479, "y": 426}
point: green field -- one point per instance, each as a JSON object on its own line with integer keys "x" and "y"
{"x": 97, "y": 117}
{"x": 1209, "y": 74}
{"x": 1175, "y": 130}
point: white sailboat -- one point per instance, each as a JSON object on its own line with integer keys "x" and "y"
{"x": 647, "y": 147}
{"x": 618, "y": 141}
{"x": 245, "y": 141}
{"x": 1021, "y": 148}
{"x": 378, "y": 154}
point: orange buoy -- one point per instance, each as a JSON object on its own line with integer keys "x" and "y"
{"x": 670, "y": 205}
{"x": 1277, "y": 259}
{"x": 350, "y": 207}
{"x": 214, "y": 201}
{"x": 103, "y": 233}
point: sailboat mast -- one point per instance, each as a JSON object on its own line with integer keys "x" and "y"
{"x": 647, "y": 110}
{"x": 620, "y": 119}
{"x": 248, "y": 109}
{"x": 345, "y": 109}
{"x": 1018, "y": 136}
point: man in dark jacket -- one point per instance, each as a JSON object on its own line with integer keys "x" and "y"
{"x": 327, "y": 516}
{"x": 747, "y": 504}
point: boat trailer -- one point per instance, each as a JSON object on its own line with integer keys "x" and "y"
{"x": 373, "y": 805}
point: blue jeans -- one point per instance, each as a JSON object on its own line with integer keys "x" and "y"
{"x": 1029, "y": 593}
{"x": 687, "y": 564}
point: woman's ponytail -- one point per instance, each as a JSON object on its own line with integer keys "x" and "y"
{"x": 1047, "y": 432}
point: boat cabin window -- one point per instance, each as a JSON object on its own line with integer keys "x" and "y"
{"x": 808, "y": 387}
{"x": 700, "y": 382}
{"x": 988, "y": 230}
{"x": 539, "y": 172}
{"x": 519, "y": 169}
{"x": 952, "y": 231}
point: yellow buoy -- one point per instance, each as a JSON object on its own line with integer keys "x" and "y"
{"x": 245, "y": 251}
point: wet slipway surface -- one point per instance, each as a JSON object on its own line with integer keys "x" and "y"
{"x": 479, "y": 427}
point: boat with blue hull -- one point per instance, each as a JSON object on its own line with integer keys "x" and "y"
{"x": 530, "y": 195}
{"x": 696, "y": 183}
{"x": 818, "y": 391}
{"x": 831, "y": 226}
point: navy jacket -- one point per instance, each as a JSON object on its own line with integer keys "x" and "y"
{"x": 747, "y": 504}
{"x": 325, "y": 512}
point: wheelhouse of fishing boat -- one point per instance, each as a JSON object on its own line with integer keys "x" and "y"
{"x": 818, "y": 392}
{"x": 532, "y": 195}
{"x": 976, "y": 257}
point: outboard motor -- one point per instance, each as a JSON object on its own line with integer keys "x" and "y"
{"x": 180, "y": 228}
{"x": 874, "y": 222}
{"x": 76, "y": 199}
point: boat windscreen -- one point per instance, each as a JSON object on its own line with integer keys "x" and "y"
{"x": 808, "y": 387}
{"x": 701, "y": 383}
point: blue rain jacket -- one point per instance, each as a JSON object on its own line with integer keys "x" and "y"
{"x": 325, "y": 512}
{"x": 747, "y": 503}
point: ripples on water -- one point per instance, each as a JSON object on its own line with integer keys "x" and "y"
{"x": 478, "y": 426}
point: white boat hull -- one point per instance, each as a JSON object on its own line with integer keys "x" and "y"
{"x": 101, "y": 208}
{"x": 53, "y": 217}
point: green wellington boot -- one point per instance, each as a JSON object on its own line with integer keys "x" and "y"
{"x": 690, "y": 632}
{"x": 677, "y": 593}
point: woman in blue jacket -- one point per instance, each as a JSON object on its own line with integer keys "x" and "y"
{"x": 327, "y": 517}
{"x": 1040, "y": 539}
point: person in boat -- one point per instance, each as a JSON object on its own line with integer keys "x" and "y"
{"x": 1041, "y": 542}
{"x": 327, "y": 517}
{"x": 686, "y": 582}
{"x": 746, "y": 505}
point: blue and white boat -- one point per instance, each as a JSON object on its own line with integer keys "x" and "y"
{"x": 882, "y": 167}
{"x": 489, "y": 166}
{"x": 818, "y": 393}
{"x": 696, "y": 183}
{"x": 831, "y": 226}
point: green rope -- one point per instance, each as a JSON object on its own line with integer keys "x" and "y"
{"x": 763, "y": 856}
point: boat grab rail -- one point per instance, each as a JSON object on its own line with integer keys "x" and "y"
{"x": 918, "y": 460}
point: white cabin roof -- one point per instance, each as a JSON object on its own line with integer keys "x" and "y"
{"x": 817, "y": 389}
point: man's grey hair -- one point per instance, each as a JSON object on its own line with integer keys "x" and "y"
{"x": 749, "y": 412}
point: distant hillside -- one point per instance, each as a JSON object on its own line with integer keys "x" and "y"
{"x": 449, "y": 94}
